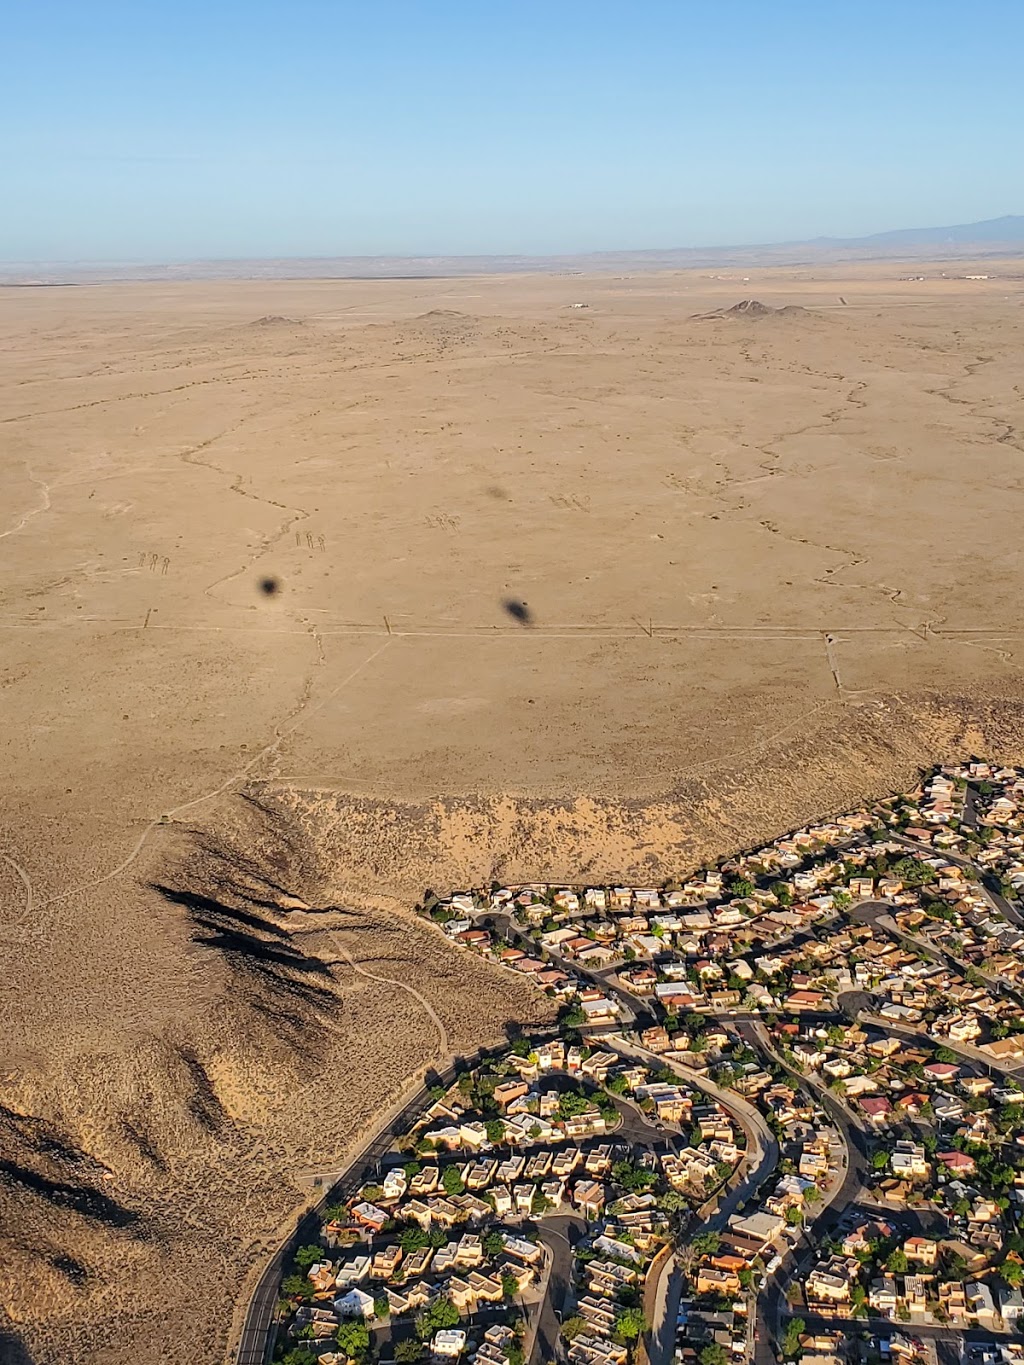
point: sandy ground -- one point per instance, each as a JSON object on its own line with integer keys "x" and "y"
{"x": 556, "y": 591}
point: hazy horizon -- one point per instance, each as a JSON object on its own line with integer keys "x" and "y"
{"x": 159, "y": 135}
{"x": 908, "y": 245}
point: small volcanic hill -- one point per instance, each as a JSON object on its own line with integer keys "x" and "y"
{"x": 750, "y": 308}
{"x": 275, "y": 320}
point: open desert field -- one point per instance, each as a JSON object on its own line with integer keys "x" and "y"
{"x": 317, "y": 594}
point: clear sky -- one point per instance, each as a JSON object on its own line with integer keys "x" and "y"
{"x": 144, "y": 130}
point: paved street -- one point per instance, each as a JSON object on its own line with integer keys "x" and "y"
{"x": 636, "y": 1130}
{"x": 771, "y": 1300}
{"x": 257, "y": 1340}
{"x": 879, "y": 915}
{"x": 559, "y": 1233}
{"x": 989, "y": 882}
{"x": 663, "y": 1314}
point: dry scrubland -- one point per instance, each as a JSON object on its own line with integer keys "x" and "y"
{"x": 766, "y": 566}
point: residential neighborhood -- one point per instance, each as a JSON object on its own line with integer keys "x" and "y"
{"x": 780, "y": 1118}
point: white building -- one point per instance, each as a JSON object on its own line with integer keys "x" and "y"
{"x": 449, "y": 1343}
{"x": 355, "y": 1304}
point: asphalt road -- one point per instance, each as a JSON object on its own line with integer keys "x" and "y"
{"x": 761, "y": 1161}
{"x": 965, "y": 1051}
{"x": 559, "y": 1233}
{"x": 257, "y": 1340}
{"x": 665, "y": 1314}
{"x": 761, "y": 1143}
{"x": 879, "y": 915}
{"x": 772, "y": 1297}
{"x": 886, "y": 1326}
{"x": 635, "y": 1013}
{"x": 989, "y": 882}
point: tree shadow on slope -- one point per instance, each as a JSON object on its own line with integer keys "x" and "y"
{"x": 39, "y": 1161}
{"x": 235, "y": 892}
{"x": 255, "y": 947}
{"x": 13, "y": 1350}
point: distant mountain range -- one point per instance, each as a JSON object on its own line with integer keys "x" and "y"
{"x": 962, "y": 241}
{"x": 1006, "y": 231}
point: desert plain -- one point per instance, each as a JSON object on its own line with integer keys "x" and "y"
{"x": 316, "y": 594}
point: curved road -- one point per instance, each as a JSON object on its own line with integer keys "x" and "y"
{"x": 559, "y": 1233}
{"x": 257, "y": 1341}
{"x": 761, "y": 1159}
{"x": 257, "y": 1331}
{"x": 855, "y": 1141}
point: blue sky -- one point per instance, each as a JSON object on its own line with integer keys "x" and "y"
{"x": 146, "y": 131}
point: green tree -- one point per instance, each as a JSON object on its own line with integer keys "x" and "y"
{"x": 440, "y": 1314}
{"x": 354, "y": 1339}
{"x": 795, "y": 1329}
{"x": 495, "y": 1130}
{"x": 913, "y": 872}
{"x": 630, "y": 1323}
{"x": 451, "y": 1181}
{"x": 713, "y": 1354}
{"x": 297, "y": 1287}
{"x": 632, "y": 1177}
{"x": 879, "y": 1160}
{"x": 671, "y": 1201}
{"x": 705, "y": 1244}
{"x": 956, "y": 1266}
{"x": 1012, "y": 1272}
{"x": 299, "y": 1355}
{"x": 794, "y": 1216}
{"x": 509, "y": 1286}
{"x": 897, "y": 1262}
{"x": 783, "y": 892}
{"x": 742, "y": 887}
{"x": 408, "y": 1350}
{"x": 494, "y": 1244}
{"x": 572, "y": 1327}
{"x": 381, "y": 1307}
{"x": 307, "y": 1256}
{"x": 413, "y": 1239}
{"x": 945, "y": 1054}
{"x": 571, "y": 1103}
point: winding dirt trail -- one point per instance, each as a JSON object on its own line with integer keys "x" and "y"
{"x": 281, "y": 734}
{"x": 442, "y": 1032}
{"x": 26, "y": 882}
{"x": 26, "y": 517}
